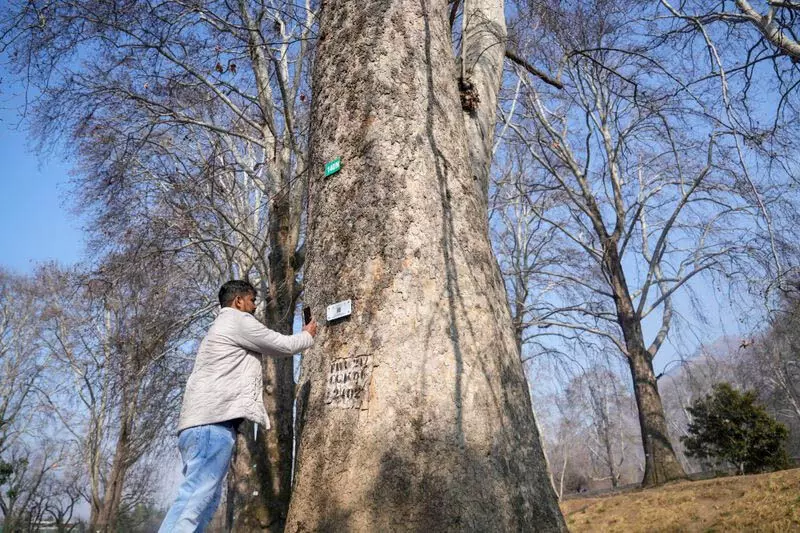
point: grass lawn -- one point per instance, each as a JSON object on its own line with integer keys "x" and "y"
{"x": 763, "y": 502}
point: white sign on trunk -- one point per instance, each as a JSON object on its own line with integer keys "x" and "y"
{"x": 339, "y": 310}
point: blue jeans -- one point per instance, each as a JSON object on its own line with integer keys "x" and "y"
{"x": 206, "y": 453}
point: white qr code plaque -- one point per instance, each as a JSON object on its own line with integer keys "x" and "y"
{"x": 339, "y": 310}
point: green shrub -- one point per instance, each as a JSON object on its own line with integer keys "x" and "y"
{"x": 729, "y": 427}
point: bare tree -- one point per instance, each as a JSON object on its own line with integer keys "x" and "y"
{"x": 746, "y": 53}
{"x": 113, "y": 336}
{"x": 22, "y": 364}
{"x": 773, "y": 359}
{"x": 768, "y": 363}
{"x": 60, "y": 496}
{"x": 523, "y": 243}
{"x": 21, "y": 499}
{"x": 188, "y": 120}
{"x": 644, "y": 193}
{"x": 598, "y": 396}
{"x": 767, "y": 28}
{"x": 560, "y": 431}
{"x": 589, "y": 426}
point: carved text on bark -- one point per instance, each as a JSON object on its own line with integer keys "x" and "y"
{"x": 348, "y": 382}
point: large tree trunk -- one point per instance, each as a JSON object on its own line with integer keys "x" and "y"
{"x": 414, "y": 412}
{"x": 661, "y": 464}
{"x": 260, "y": 485}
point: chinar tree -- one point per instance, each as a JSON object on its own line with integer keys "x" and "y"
{"x": 641, "y": 187}
{"x": 113, "y": 338}
{"x": 187, "y": 123}
{"x": 413, "y": 410}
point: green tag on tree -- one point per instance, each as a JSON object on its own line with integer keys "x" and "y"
{"x": 333, "y": 167}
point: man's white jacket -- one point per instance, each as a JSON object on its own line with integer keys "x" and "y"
{"x": 226, "y": 381}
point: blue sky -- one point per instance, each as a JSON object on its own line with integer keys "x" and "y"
{"x": 35, "y": 219}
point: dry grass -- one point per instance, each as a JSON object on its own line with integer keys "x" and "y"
{"x": 764, "y": 502}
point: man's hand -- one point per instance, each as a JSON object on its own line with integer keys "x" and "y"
{"x": 311, "y": 327}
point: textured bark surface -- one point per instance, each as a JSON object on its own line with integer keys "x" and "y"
{"x": 447, "y": 440}
{"x": 483, "y": 50}
{"x": 661, "y": 464}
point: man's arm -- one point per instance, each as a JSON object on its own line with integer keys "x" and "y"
{"x": 256, "y": 337}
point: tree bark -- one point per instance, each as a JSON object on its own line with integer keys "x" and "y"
{"x": 106, "y": 519}
{"x": 483, "y": 50}
{"x": 661, "y": 464}
{"x": 260, "y": 484}
{"x": 438, "y": 433}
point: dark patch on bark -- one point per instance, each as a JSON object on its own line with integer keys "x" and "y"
{"x": 469, "y": 95}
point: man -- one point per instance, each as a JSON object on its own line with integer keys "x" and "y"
{"x": 224, "y": 388}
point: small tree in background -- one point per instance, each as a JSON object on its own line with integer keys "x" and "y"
{"x": 728, "y": 426}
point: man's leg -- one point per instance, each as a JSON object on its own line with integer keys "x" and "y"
{"x": 206, "y": 454}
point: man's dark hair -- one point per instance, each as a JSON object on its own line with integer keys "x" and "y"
{"x": 234, "y": 288}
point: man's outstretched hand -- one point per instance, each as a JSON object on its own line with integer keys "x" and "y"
{"x": 311, "y": 327}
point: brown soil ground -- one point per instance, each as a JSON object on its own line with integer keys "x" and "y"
{"x": 763, "y": 502}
